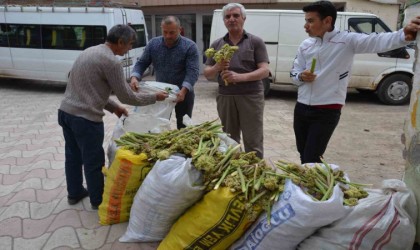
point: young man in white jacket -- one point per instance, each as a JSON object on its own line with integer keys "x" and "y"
{"x": 322, "y": 93}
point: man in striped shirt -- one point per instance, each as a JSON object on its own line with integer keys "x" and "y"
{"x": 175, "y": 60}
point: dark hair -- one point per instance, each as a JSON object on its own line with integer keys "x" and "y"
{"x": 123, "y": 32}
{"x": 323, "y": 8}
{"x": 170, "y": 20}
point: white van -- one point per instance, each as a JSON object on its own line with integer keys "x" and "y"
{"x": 41, "y": 43}
{"x": 388, "y": 74}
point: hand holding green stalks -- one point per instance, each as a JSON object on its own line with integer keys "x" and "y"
{"x": 224, "y": 54}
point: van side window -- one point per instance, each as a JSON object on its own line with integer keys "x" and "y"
{"x": 63, "y": 37}
{"x": 367, "y": 25}
{"x": 88, "y": 36}
{"x": 4, "y": 30}
{"x": 141, "y": 35}
{"x": 24, "y": 35}
{"x": 71, "y": 37}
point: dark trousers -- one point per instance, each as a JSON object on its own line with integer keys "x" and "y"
{"x": 313, "y": 129}
{"x": 184, "y": 108}
{"x": 84, "y": 153}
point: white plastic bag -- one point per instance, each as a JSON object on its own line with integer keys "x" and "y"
{"x": 140, "y": 123}
{"x": 383, "y": 220}
{"x": 169, "y": 189}
{"x": 293, "y": 218}
{"x": 162, "y": 109}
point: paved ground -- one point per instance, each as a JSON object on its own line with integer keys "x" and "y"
{"x": 34, "y": 213}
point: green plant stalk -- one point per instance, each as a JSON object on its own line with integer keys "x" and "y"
{"x": 327, "y": 195}
{"x": 190, "y": 129}
{"x": 246, "y": 189}
{"x": 277, "y": 195}
{"x": 242, "y": 178}
{"x": 321, "y": 178}
{"x": 281, "y": 175}
{"x": 313, "y": 65}
{"x": 258, "y": 196}
{"x": 268, "y": 209}
{"x": 320, "y": 186}
{"x": 227, "y": 157}
{"x": 258, "y": 184}
{"x": 222, "y": 178}
{"x": 216, "y": 143}
{"x": 254, "y": 179}
{"x": 322, "y": 171}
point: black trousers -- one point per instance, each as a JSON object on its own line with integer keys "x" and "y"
{"x": 184, "y": 108}
{"x": 313, "y": 128}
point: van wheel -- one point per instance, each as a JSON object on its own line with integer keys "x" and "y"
{"x": 395, "y": 89}
{"x": 266, "y": 84}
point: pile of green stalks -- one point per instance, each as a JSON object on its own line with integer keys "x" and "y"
{"x": 243, "y": 173}
{"x": 318, "y": 181}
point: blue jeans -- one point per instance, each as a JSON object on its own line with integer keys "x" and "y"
{"x": 313, "y": 129}
{"x": 83, "y": 147}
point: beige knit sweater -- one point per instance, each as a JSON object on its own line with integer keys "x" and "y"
{"x": 94, "y": 75}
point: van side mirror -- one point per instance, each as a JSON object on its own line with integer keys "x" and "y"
{"x": 396, "y": 53}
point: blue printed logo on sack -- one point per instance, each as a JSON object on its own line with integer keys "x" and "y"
{"x": 285, "y": 196}
{"x": 278, "y": 217}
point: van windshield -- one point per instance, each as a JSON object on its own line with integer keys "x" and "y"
{"x": 141, "y": 35}
{"x": 367, "y": 25}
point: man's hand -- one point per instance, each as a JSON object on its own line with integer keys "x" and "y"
{"x": 180, "y": 96}
{"x": 162, "y": 95}
{"x": 231, "y": 76}
{"x": 134, "y": 84}
{"x": 120, "y": 110}
{"x": 411, "y": 29}
{"x": 307, "y": 76}
{"x": 223, "y": 65}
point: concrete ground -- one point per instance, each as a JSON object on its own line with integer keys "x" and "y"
{"x": 34, "y": 213}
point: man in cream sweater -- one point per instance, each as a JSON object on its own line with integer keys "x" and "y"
{"x": 95, "y": 74}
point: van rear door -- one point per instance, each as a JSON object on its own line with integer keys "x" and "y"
{"x": 135, "y": 19}
{"x": 25, "y": 42}
{"x": 5, "y": 56}
{"x": 291, "y": 35}
{"x": 265, "y": 26}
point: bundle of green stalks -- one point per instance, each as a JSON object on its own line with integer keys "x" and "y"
{"x": 161, "y": 146}
{"x": 318, "y": 181}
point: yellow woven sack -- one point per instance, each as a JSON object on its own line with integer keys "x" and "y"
{"x": 123, "y": 179}
{"x": 215, "y": 222}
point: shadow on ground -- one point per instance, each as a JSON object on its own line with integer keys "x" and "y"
{"x": 33, "y": 85}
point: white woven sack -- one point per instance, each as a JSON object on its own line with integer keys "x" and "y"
{"x": 383, "y": 220}
{"x": 293, "y": 218}
{"x": 170, "y": 188}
